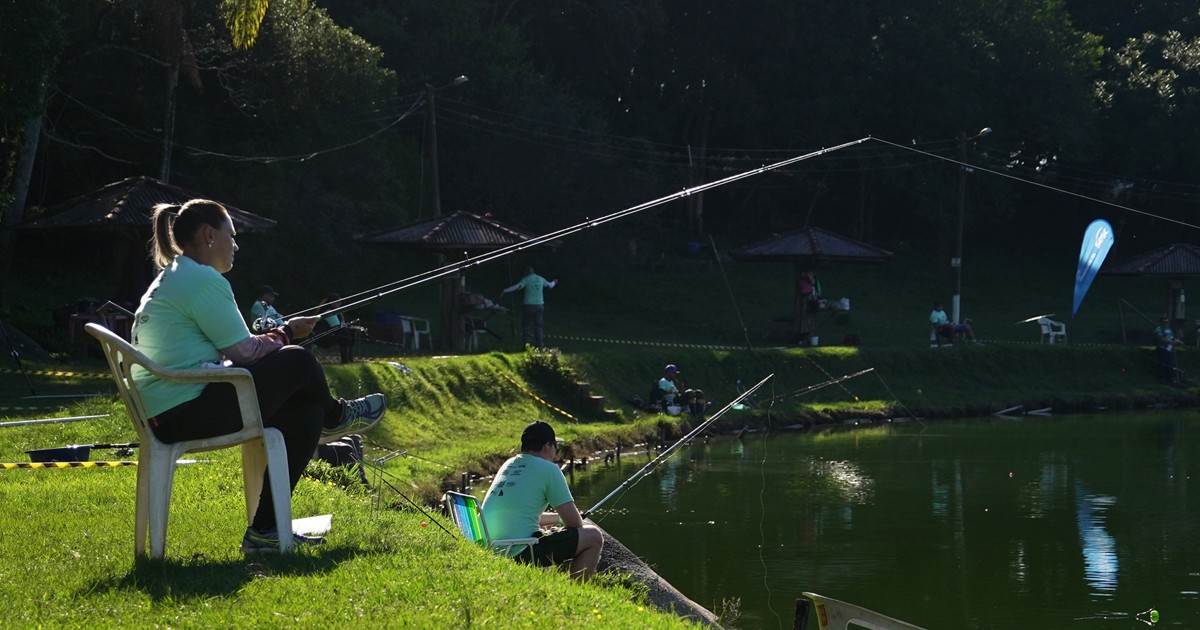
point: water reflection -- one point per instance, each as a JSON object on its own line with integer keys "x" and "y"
{"x": 1100, "y": 562}
{"x": 973, "y": 525}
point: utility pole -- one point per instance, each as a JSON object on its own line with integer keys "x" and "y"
{"x": 956, "y": 262}
{"x": 431, "y": 138}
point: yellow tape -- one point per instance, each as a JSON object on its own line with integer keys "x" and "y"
{"x": 53, "y": 373}
{"x": 646, "y": 343}
{"x": 535, "y": 396}
{"x": 12, "y": 465}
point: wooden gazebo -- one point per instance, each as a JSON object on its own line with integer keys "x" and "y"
{"x": 122, "y": 209}
{"x": 1173, "y": 262}
{"x": 454, "y": 236}
{"x": 809, "y": 249}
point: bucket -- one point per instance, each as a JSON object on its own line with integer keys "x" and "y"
{"x": 674, "y": 410}
{"x": 814, "y": 340}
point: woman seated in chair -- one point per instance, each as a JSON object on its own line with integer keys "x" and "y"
{"x": 188, "y": 319}
{"x": 947, "y": 329}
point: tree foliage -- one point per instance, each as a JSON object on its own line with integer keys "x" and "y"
{"x": 243, "y": 18}
{"x": 575, "y": 109}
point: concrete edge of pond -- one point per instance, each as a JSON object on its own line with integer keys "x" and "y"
{"x": 662, "y": 594}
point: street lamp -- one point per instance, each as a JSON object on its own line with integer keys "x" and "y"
{"x": 956, "y": 262}
{"x": 431, "y": 138}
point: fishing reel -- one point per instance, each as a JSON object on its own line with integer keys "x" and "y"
{"x": 263, "y": 325}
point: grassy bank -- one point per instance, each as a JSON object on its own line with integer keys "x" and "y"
{"x": 73, "y": 558}
{"x": 69, "y": 553}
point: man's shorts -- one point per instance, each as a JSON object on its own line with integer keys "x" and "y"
{"x": 554, "y": 549}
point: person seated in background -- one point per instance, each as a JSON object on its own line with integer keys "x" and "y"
{"x": 944, "y": 328}
{"x": 1164, "y": 351}
{"x": 263, "y": 316}
{"x": 334, "y": 330}
{"x": 515, "y": 507}
{"x": 668, "y": 392}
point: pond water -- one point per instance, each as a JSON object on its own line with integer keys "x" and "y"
{"x": 1050, "y": 522}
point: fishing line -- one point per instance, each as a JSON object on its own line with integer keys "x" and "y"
{"x": 1038, "y": 184}
{"x": 762, "y": 514}
{"x": 369, "y": 295}
{"x": 728, "y": 287}
{"x": 637, "y": 476}
{"x": 380, "y": 472}
{"x": 828, "y": 375}
{"x": 812, "y": 388}
{"x": 897, "y": 400}
{"x": 762, "y": 536}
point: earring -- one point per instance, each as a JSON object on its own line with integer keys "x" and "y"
{"x": 210, "y": 243}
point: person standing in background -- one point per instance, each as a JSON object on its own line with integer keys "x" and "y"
{"x": 534, "y": 306}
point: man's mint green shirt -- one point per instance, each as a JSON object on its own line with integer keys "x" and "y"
{"x": 185, "y": 316}
{"x": 534, "y": 286}
{"x": 525, "y": 486}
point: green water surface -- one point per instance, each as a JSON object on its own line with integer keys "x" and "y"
{"x": 1039, "y": 522}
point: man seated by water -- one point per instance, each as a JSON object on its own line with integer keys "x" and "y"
{"x": 670, "y": 394}
{"x": 946, "y": 329}
{"x": 522, "y": 489}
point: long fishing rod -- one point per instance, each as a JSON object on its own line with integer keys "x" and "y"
{"x": 812, "y": 388}
{"x": 473, "y": 261}
{"x": 380, "y": 471}
{"x": 671, "y": 449}
{"x": 394, "y": 453}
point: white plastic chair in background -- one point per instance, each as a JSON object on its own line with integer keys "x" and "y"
{"x": 415, "y": 327}
{"x": 262, "y": 448}
{"x": 1052, "y": 330}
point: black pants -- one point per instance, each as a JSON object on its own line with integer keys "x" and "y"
{"x": 293, "y": 397}
{"x": 532, "y": 324}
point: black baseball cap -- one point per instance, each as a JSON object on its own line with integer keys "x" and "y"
{"x": 266, "y": 289}
{"x": 536, "y": 434}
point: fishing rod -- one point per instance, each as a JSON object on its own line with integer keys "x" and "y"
{"x": 380, "y": 471}
{"x": 394, "y": 453}
{"x": 812, "y": 388}
{"x": 21, "y": 423}
{"x": 369, "y": 295}
{"x": 671, "y": 449}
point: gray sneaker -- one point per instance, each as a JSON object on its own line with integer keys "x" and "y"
{"x": 359, "y": 415}
{"x": 267, "y": 540}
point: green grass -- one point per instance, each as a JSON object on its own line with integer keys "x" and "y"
{"x": 67, "y": 560}
{"x": 75, "y": 561}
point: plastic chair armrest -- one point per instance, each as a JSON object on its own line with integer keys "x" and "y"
{"x": 240, "y": 378}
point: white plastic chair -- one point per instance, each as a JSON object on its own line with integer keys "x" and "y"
{"x": 415, "y": 327}
{"x": 262, "y": 448}
{"x": 1052, "y": 330}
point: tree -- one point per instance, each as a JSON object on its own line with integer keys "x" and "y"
{"x": 33, "y": 36}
